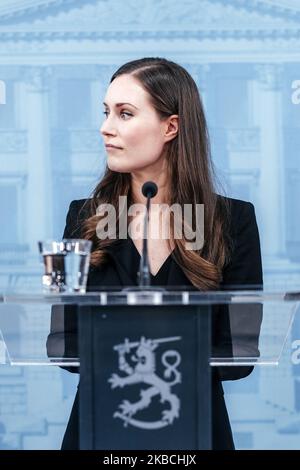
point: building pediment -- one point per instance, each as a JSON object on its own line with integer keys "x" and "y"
{"x": 191, "y": 18}
{"x": 13, "y": 11}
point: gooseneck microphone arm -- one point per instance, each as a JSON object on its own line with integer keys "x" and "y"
{"x": 149, "y": 190}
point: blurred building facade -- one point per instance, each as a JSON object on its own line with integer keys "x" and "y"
{"x": 56, "y": 59}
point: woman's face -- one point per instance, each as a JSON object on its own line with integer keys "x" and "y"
{"x": 133, "y": 133}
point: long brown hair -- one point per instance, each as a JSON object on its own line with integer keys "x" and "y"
{"x": 191, "y": 176}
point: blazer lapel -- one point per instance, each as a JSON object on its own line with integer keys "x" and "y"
{"x": 117, "y": 272}
{"x": 176, "y": 276}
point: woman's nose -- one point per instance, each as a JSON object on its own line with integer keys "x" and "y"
{"x": 108, "y": 128}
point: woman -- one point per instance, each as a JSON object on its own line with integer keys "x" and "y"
{"x": 155, "y": 129}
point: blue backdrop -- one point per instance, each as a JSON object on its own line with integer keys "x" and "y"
{"x": 56, "y": 58}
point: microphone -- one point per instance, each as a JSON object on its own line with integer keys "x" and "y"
{"x": 149, "y": 190}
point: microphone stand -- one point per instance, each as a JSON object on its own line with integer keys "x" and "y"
{"x": 144, "y": 271}
{"x": 149, "y": 190}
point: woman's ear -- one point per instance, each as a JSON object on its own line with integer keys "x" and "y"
{"x": 171, "y": 127}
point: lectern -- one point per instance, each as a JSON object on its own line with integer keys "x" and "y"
{"x": 147, "y": 359}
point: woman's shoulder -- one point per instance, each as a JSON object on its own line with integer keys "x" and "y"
{"x": 79, "y": 203}
{"x": 241, "y": 215}
{"x": 235, "y": 204}
{"x": 236, "y": 207}
{"x": 245, "y": 267}
{"x": 79, "y": 210}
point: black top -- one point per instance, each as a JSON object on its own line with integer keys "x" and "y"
{"x": 244, "y": 269}
{"x": 129, "y": 260}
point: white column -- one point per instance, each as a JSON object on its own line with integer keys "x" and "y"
{"x": 39, "y": 179}
{"x": 268, "y": 107}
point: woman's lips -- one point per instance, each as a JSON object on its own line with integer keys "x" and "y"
{"x": 112, "y": 147}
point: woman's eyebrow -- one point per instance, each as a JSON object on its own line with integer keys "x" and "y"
{"x": 120, "y": 104}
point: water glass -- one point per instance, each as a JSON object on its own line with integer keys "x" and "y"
{"x": 66, "y": 264}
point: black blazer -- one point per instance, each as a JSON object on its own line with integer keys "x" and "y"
{"x": 244, "y": 269}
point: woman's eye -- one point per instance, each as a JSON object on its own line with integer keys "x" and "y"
{"x": 125, "y": 115}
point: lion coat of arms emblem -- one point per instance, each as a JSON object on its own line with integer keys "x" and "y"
{"x": 142, "y": 369}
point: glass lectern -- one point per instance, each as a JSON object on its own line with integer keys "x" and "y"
{"x": 147, "y": 358}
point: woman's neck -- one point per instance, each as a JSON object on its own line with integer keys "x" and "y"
{"x": 159, "y": 178}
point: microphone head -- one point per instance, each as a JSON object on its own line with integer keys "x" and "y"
{"x": 149, "y": 189}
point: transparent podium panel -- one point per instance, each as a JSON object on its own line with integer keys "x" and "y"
{"x": 248, "y": 327}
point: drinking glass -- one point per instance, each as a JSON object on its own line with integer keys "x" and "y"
{"x": 66, "y": 264}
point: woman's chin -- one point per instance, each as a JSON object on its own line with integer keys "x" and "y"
{"x": 117, "y": 166}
